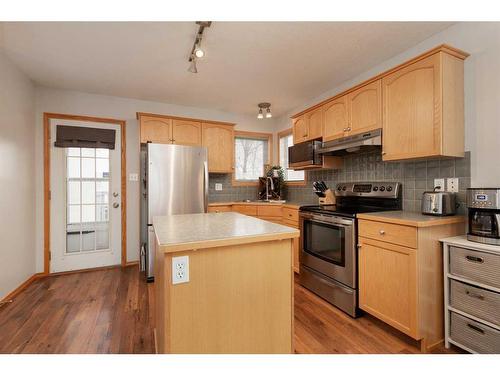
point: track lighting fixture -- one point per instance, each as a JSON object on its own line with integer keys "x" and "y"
{"x": 262, "y": 107}
{"x": 197, "y": 52}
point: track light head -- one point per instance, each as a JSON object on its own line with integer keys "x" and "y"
{"x": 192, "y": 66}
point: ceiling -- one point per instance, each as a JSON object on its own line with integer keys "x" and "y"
{"x": 285, "y": 63}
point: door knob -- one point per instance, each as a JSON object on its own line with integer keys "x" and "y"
{"x": 115, "y": 194}
{"x": 116, "y": 205}
{"x": 382, "y": 232}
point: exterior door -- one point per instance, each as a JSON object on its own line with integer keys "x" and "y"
{"x": 85, "y": 212}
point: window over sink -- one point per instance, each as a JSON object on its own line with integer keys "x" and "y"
{"x": 252, "y": 151}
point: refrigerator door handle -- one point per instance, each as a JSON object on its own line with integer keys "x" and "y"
{"x": 205, "y": 185}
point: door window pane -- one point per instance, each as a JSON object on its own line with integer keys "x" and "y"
{"x": 102, "y": 236}
{"x": 73, "y": 152}
{"x": 102, "y": 153}
{"x": 250, "y": 157}
{"x": 88, "y": 192}
{"x": 88, "y": 213}
{"x": 102, "y": 168}
{"x": 74, "y": 192}
{"x": 88, "y": 152}
{"x": 73, "y": 167}
{"x": 73, "y": 214}
{"x": 102, "y": 192}
{"x": 88, "y": 168}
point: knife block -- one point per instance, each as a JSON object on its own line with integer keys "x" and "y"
{"x": 329, "y": 198}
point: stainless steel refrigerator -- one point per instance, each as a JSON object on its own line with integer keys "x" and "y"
{"x": 174, "y": 181}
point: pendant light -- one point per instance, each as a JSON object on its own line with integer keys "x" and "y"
{"x": 267, "y": 108}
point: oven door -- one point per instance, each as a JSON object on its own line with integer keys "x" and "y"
{"x": 485, "y": 224}
{"x": 328, "y": 246}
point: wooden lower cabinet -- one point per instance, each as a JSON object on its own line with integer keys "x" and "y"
{"x": 227, "y": 208}
{"x": 387, "y": 284}
{"x": 403, "y": 285}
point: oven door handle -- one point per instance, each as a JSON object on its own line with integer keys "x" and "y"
{"x": 337, "y": 222}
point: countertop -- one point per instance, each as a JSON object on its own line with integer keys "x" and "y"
{"x": 291, "y": 204}
{"x": 413, "y": 219}
{"x": 462, "y": 241}
{"x": 201, "y": 231}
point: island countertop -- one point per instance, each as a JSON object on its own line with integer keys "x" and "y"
{"x": 206, "y": 230}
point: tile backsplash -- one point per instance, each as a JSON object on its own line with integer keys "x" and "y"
{"x": 416, "y": 177}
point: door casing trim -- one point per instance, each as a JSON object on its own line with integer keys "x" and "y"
{"x": 47, "y": 116}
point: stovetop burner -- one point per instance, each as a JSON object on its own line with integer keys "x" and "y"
{"x": 332, "y": 209}
{"x": 361, "y": 197}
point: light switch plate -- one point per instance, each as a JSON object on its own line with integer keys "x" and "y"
{"x": 439, "y": 182}
{"x": 218, "y": 187}
{"x": 180, "y": 270}
{"x": 133, "y": 177}
{"x": 452, "y": 185}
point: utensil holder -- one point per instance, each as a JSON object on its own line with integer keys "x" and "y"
{"x": 329, "y": 198}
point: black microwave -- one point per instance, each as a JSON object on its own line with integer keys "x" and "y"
{"x": 305, "y": 154}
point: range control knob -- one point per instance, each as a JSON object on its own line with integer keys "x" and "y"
{"x": 344, "y": 188}
{"x": 382, "y": 188}
{"x": 339, "y": 188}
{"x": 375, "y": 188}
{"x": 389, "y": 188}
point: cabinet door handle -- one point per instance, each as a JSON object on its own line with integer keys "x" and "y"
{"x": 474, "y": 259}
{"x": 475, "y": 328}
{"x": 383, "y": 152}
{"x": 358, "y": 246}
{"x": 474, "y": 295}
{"x": 382, "y": 232}
{"x": 349, "y": 129}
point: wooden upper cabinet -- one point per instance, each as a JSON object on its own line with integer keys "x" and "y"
{"x": 335, "y": 119}
{"x": 219, "y": 139}
{"x": 423, "y": 112}
{"x": 314, "y": 123}
{"x": 299, "y": 129}
{"x": 155, "y": 129}
{"x": 186, "y": 132}
{"x": 365, "y": 108}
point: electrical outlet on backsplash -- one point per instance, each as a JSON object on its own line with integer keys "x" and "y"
{"x": 416, "y": 177}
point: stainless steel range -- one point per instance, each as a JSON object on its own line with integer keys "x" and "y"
{"x": 328, "y": 248}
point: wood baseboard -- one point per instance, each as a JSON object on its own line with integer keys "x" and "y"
{"x": 133, "y": 263}
{"x": 84, "y": 270}
{"x": 21, "y": 287}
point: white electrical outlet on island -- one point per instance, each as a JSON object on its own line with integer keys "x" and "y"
{"x": 180, "y": 269}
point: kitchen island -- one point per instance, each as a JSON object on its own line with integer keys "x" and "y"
{"x": 237, "y": 294}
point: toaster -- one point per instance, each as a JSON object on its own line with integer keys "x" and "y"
{"x": 439, "y": 203}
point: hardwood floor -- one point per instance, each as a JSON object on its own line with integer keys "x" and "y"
{"x": 110, "y": 311}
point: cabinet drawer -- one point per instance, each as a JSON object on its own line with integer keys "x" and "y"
{"x": 397, "y": 234}
{"x": 291, "y": 223}
{"x": 479, "y": 302}
{"x": 475, "y": 265}
{"x": 272, "y": 219}
{"x": 290, "y": 214}
{"x": 220, "y": 209}
{"x": 269, "y": 211}
{"x": 245, "y": 209}
{"x": 476, "y": 336}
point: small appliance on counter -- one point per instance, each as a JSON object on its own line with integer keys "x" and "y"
{"x": 439, "y": 203}
{"x": 484, "y": 215}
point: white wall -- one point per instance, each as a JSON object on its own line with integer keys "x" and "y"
{"x": 482, "y": 92}
{"x": 78, "y": 103}
{"x": 17, "y": 191}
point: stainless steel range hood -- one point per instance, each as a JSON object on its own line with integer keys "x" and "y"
{"x": 352, "y": 144}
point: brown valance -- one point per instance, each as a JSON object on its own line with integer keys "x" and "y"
{"x": 76, "y": 136}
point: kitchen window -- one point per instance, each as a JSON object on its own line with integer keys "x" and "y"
{"x": 252, "y": 151}
{"x": 285, "y": 140}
